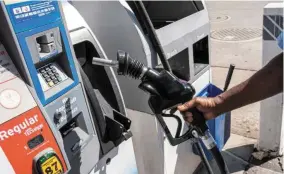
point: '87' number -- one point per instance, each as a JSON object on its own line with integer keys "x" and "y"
{"x": 53, "y": 169}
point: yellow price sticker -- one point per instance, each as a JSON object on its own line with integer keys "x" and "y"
{"x": 52, "y": 166}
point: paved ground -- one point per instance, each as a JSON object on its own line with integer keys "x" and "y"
{"x": 246, "y": 55}
{"x": 237, "y": 154}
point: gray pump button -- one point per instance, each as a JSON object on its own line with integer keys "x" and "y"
{"x": 57, "y": 117}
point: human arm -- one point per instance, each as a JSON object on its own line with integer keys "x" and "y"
{"x": 265, "y": 83}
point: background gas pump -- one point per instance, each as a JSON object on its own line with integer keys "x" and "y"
{"x": 49, "y": 114}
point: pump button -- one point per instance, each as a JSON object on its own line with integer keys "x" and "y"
{"x": 51, "y": 83}
{"x": 48, "y": 79}
{"x": 57, "y": 117}
{"x": 10, "y": 99}
{"x": 45, "y": 75}
{"x": 49, "y": 163}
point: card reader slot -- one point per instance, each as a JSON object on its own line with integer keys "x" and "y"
{"x": 66, "y": 129}
{"x": 77, "y": 121}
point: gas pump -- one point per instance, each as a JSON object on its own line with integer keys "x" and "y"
{"x": 51, "y": 122}
{"x": 161, "y": 31}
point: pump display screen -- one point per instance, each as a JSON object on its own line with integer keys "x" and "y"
{"x": 35, "y": 141}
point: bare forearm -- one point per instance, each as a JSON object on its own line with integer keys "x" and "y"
{"x": 263, "y": 84}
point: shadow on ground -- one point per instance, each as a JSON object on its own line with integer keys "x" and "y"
{"x": 240, "y": 160}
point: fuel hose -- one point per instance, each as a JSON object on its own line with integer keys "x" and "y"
{"x": 211, "y": 145}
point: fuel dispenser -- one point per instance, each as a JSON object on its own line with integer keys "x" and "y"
{"x": 181, "y": 30}
{"x": 51, "y": 121}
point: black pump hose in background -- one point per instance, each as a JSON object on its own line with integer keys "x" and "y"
{"x": 145, "y": 21}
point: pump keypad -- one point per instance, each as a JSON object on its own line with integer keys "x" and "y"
{"x": 52, "y": 75}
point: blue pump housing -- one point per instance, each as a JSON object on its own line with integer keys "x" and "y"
{"x": 31, "y": 17}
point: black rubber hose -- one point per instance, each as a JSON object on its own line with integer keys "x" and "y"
{"x": 219, "y": 160}
{"x": 144, "y": 20}
{"x": 200, "y": 151}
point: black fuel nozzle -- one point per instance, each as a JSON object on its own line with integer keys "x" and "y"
{"x": 166, "y": 90}
{"x": 165, "y": 87}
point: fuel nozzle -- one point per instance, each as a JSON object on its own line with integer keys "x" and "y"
{"x": 125, "y": 65}
{"x": 166, "y": 92}
{"x": 165, "y": 88}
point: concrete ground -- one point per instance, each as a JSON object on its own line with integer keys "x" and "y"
{"x": 246, "y": 55}
{"x": 237, "y": 154}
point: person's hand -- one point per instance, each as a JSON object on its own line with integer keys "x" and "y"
{"x": 208, "y": 106}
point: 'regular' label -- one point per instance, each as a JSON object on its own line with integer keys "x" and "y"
{"x": 25, "y": 127}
